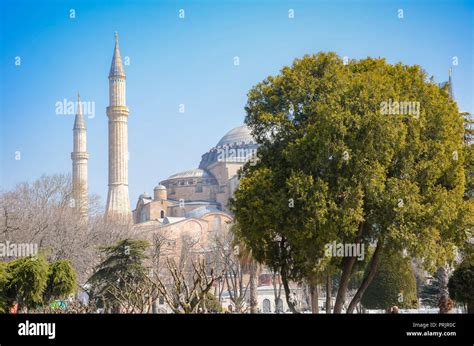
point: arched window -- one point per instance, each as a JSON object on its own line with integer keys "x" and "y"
{"x": 279, "y": 306}
{"x": 162, "y": 214}
{"x": 266, "y": 306}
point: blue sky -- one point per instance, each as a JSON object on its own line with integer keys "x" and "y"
{"x": 189, "y": 61}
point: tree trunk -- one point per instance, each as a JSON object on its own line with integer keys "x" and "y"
{"x": 443, "y": 279}
{"x": 346, "y": 275}
{"x": 286, "y": 287}
{"x": 277, "y": 292}
{"x": 343, "y": 283}
{"x": 253, "y": 288}
{"x": 313, "y": 289}
{"x": 204, "y": 307}
{"x": 367, "y": 279}
{"x": 328, "y": 293}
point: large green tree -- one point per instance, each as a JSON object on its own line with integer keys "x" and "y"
{"x": 61, "y": 282}
{"x": 461, "y": 284}
{"x": 5, "y": 300}
{"x": 393, "y": 284}
{"x": 28, "y": 280}
{"x": 339, "y": 160}
{"x": 33, "y": 282}
{"x": 121, "y": 270}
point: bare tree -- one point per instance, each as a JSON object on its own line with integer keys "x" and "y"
{"x": 44, "y": 213}
{"x": 234, "y": 282}
{"x": 135, "y": 295}
{"x": 236, "y": 287}
{"x": 186, "y": 292}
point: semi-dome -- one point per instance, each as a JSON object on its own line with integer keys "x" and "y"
{"x": 237, "y": 135}
{"x": 192, "y": 173}
{"x": 201, "y": 211}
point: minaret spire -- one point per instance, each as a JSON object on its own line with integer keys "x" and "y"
{"x": 116, "y": 68}
{"x": 79, "y": 120}
{"x": 118, "y": 202}
{"x": 79, "y": 157}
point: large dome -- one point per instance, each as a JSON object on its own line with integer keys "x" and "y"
{"x": 237, "y": 146}
{"x": 192, "y": 173}
{"x": 236, "y": 135}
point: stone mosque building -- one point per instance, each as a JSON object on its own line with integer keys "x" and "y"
{"x": 195, "y": 202}
{"x": 202, "y": 190}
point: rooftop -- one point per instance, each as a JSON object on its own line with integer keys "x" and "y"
{"x": 237, "y": 135}
{"x": 192, "y": 173}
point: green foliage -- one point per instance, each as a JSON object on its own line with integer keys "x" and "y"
{"x": 469, "y": 170}
{"x": 121, "y": 269}
{"x": 393, "y": 284}
{"x": 28, "y": 280}
{"x": 32, "y": 282}
{"x": 61, "y": 281}
{"x": 461, "y": 283}
{"x": 5, "y": 300}
{"x": 332, "y": 164}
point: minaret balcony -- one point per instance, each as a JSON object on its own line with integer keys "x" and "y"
{"x": 117, "y": 111}
{"x": 79, "y": 155}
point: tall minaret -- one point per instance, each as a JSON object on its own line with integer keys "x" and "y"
{"x": 79, "y": 158}
{"x": 118, "y": 202}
